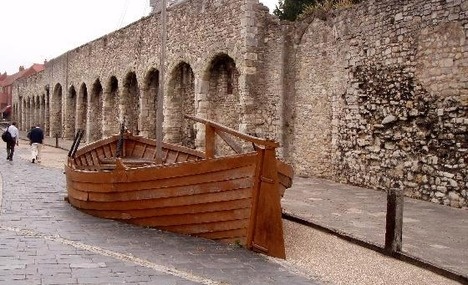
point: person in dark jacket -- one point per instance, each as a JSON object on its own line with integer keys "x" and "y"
{"x": 36, "y": 138}
{"x": 13, "y": 141}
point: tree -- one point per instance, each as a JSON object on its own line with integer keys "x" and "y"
{"x": 290, "y": 9}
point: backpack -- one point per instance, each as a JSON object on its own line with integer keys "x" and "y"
{"x": 6, "y": 136}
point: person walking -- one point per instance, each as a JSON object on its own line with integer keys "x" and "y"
{"x": 36, "y": 138}
{"x": 10, "y": 144}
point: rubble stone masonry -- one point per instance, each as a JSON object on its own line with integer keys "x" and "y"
{"x": 375, "y": 95}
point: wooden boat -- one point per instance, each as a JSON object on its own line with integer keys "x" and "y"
{"x": 232, "y": 198}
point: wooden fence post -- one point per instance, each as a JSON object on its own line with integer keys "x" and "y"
{"x": 394, "y": 225}
{"x": 56, "y": 140}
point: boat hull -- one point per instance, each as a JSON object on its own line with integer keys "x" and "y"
{"x": 232, "y": 198}
{"x": 208, "y": 198}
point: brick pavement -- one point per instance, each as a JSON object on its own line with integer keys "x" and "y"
{"x": 433, "y": 233}
{"x": 43, "y": 240}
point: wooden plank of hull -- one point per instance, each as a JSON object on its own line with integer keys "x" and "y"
{"x": 235, "y": 234}
{"x": 163, "y": 202}
{"x": 102, "y": 186}
{"x": 198, "y": 229}
{"x": 226, "y": 225}
{"x": 161, "y": 171}
{"x": 191, "y": 219}
{"x": 184, "y": 190}
{"x": 159, "y": 212}
{"x": 285, "y": 175}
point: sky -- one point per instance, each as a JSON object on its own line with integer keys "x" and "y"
{"x": 33, "y": 31}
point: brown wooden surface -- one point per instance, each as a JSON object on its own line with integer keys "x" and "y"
{"x": 233, "y": 198}
{"x": 266, "y": 233}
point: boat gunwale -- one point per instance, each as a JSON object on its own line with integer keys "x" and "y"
{"x": 138, "y": 138}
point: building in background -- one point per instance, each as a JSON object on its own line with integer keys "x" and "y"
{"x": 6, "y": 87}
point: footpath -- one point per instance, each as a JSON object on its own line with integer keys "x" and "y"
{"x": 85, "y": 250}
{"x": 43, "y": 240}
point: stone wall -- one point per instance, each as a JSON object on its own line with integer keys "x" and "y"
{"x": 381, "y": 98}
{"x": 202, "y": 36}
{"x": 374, "y": 95}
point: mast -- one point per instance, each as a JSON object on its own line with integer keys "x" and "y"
{"x": 160, "y": 97}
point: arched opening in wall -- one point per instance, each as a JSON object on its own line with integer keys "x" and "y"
{"x": 223, "y": 95}
{"x": 131, "y": 103}
{"x": 42, "y": 107}
{"x": 149, "y": 103}
{"x": 32, "y": 101}
{"x": 29, "y": 112}
{"x": 111, "y": 113}
{"x": 70, "y": 113}
{"x": 56, "y": 111}
{"x": 180, "y": 102}
{"x": 95, "y": 112}
{"x": 24, "y": 114}
{"x": 37, "y": 110}
{"x": 81, "y": 108}
{"x": 47, "y": 110}
{"x": 15, "y": 112}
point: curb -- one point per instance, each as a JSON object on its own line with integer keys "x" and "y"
{"x": 456, "y": 276}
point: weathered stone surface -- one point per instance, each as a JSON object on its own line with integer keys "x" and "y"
{"x": 373, "y": 95}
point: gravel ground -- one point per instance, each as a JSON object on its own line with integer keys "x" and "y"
{"x": 317, "y": 254}
{"x": 336, "y": 261}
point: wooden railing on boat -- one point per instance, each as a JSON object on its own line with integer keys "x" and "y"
{"x": 213, "y": 128}
{"x": 265, "y": 232}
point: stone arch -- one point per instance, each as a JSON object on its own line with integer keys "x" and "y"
{"x": 130, "y": 103}
{"x": 42, "y": 107}
{"x": 223, "y": 91}
{"x": 81, "y": 108}
{"x": 47, "y": 110}
{"x": 56, "y": 111}
{"x": 33, "y": 111}
{"x": 111, "y": 113}
{"x": 222, "y": 100}
{"x": 180, "y": 102}
{"x": 25, "y": 116}
{"x": 16, "y": 111}
{"x": 70, "y": 113}
{"x": 28, "y": 113}
{"x": 94, "y": 117}
{"x": 37, "y": 110}
{"x": 149, "y": 103}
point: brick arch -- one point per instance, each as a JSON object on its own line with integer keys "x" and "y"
{"x": 56, "y": 121}
{"x": 95, "y": 112}
{"x": 70, "y": 113}
{"x": 111, "y": 111}
{"x": 149, "y": 103}
{"x": 180, "y": 100}
{"x": 81, "y": 108}
{"x": 130, "y": 103}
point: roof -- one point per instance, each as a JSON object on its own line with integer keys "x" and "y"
{"x": 6, "y": 80}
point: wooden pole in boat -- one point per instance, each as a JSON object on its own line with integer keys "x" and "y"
{"x": 160, "y": 97}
